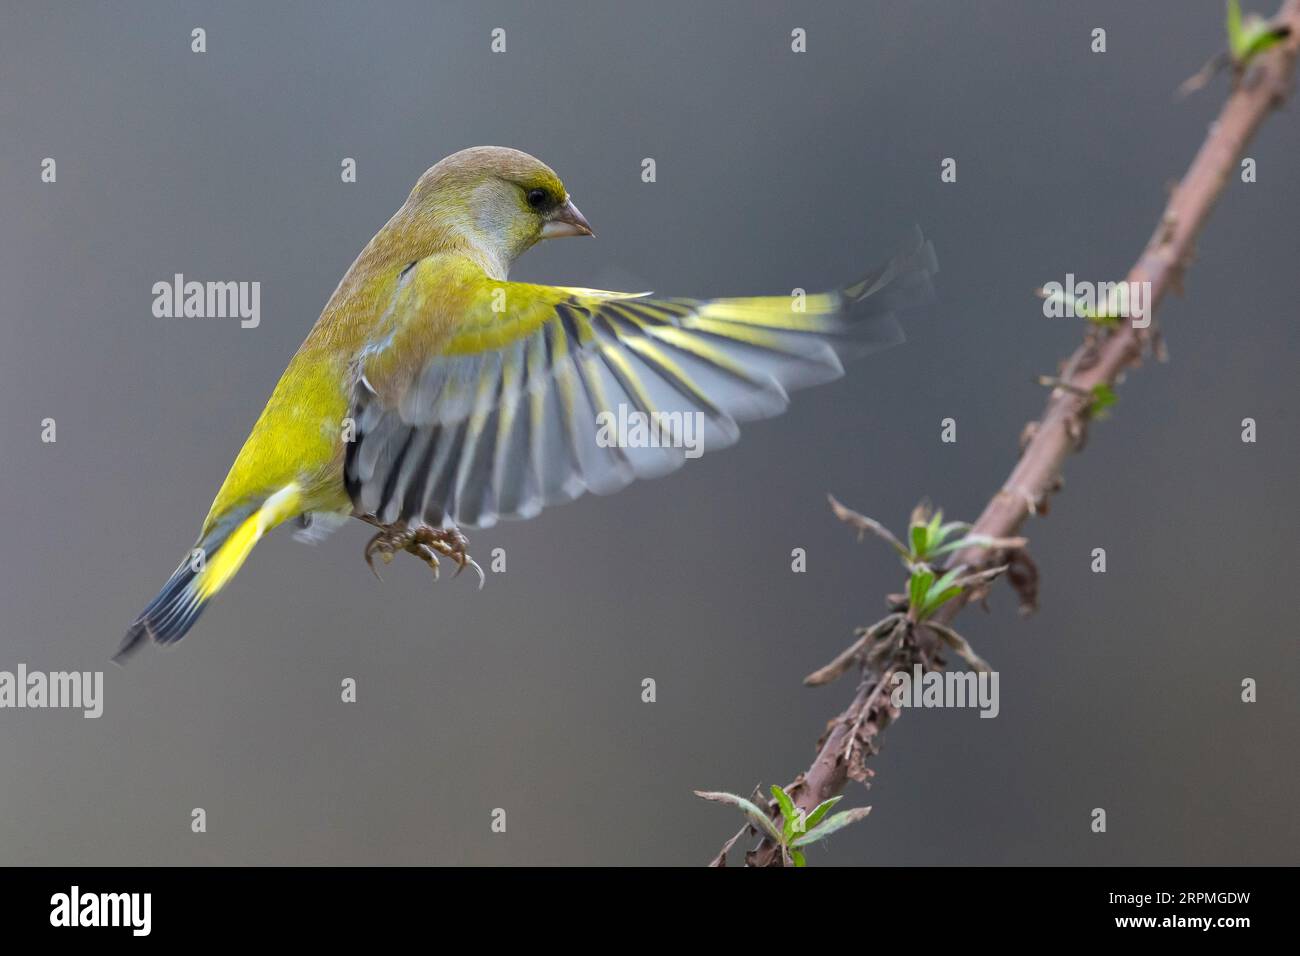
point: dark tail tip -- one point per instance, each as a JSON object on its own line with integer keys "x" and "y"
{"x": 131, "y": 643}
{"x": 168, "y": 617}
{"x": 904, "y": 282}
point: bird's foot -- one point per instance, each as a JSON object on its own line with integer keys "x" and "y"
{"x": 425, "y": 543}
{"x": 387, "y": 541}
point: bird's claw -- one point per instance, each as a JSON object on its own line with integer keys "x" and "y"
{"x": 426, "y": 544}
{"x": 450, "y": 543}
{"x": 425, "y": 554}
{"x": 482, "y": 579}
{"x": 384, "y": 543}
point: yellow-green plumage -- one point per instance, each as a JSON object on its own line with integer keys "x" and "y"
{"x": 432, "y": 391}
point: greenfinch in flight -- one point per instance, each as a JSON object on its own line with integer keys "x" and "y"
{"x": 433, "y": 394}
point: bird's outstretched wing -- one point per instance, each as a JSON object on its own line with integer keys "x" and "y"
{"x": 518, "y": 400}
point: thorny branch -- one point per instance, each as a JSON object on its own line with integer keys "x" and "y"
{"x": 1102, "y": 359}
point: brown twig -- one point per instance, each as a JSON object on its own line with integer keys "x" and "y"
{"x": 1101, "y": 360}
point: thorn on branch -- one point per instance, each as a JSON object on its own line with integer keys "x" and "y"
{"x": 863, "y": 524}
{"x": 854, "y": 653}
{"x": 1022, "y": 575}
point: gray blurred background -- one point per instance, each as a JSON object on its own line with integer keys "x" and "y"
{"x": 775, "y": 170}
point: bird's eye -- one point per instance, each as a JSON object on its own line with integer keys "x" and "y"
{"x": 537, "y": 198}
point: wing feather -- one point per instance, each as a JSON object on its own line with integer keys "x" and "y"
{"x": 501, "y": 415}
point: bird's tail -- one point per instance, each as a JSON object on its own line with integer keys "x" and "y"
{"x": 215, "y": 559}
{"x": 904, "y": 282}
{"x": 869, "y": 320}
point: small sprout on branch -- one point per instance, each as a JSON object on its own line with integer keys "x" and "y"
{"x": 893, "y": 639}
{"x": 925, "y": 595}
{"x": 796, "y": 830}
{"x": 1099, "y": 398}
{"x": 928, "y": 535}
{"x": 1072, "y": 305}
{"x": 1102, "y": 398}
{"x": 1248, "y": 37}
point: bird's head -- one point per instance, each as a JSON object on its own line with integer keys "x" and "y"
{"x": 498, "y": 201}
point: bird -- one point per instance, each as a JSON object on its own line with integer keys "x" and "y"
{"x": 434, "y": 394}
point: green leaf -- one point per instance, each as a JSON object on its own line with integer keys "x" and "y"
{"x": 1261, "y": 38}
{"x": 1250, "y": 35}
{"x": 960, "y": 543}
{"x": 946, "y": 531}
{"x": 756, "y": 816}
{"x": 820, "y": 811}
{"x": 940, "y": 592}
{"x": 796, "y": 857}
{"x": 919, "y": 586}
{"x": 937, "y": 600}
{"x": 1103, "y": 397}
{"x": 835, "y": 823}
{"x": 932, "y": 531}
{"x": 1236, "y": 37}
{"x": 952, "y": 575}
{"x": 919, "y": 540}
{"x": 978, "y": 541}
{"x": 789, "y": 815}
{"x": 1107, "y": 320}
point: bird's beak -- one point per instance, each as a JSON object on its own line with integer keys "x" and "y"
{"x": 566, "y": 221}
